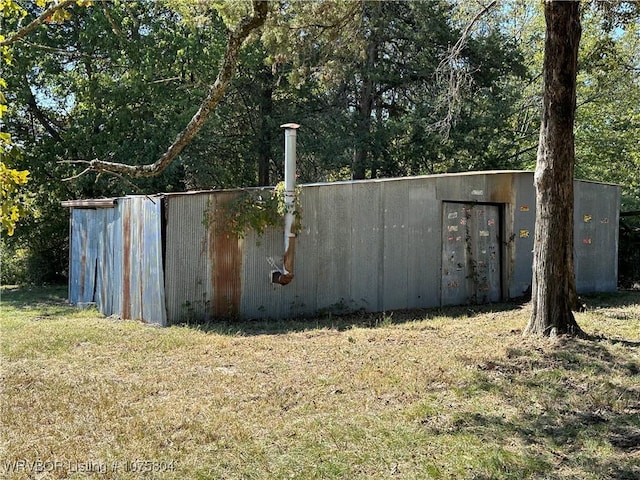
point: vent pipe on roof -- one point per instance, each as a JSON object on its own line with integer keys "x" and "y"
{"x": 285, "y": 275}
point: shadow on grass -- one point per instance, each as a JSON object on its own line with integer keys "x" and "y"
{"x": 573, "y": 399}
{"x": 56, "y": 295}
{"x": 33, "y": 297}
{"x": 343, "y": 321}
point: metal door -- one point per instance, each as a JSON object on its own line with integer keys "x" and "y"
{"x": 470, "y": 253}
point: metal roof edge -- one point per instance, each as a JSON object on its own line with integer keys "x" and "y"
{"x": 90, "y": 203}
{"x": 597, "y": 182}
{"x": 417, "y": 177}
{"x": 110, "y": 202}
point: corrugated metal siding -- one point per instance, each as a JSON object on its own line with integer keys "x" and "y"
{"x": 395, "y": 245}
{"x": 142, "y": 217}
{"x": 83, "y": 258}
{"x": 423, "y": 284}
{"x": 302, "y": 298}
{"x": 203, "y": 260}
{"x": 187, "y": 276}
{"x": 520, "y": 235}
{"x": 370, "y": 245}
{"x": 116, "y": 259}
{"x": 596, "y": 219}
{"x": 366, "y": 253}
{"x": 109, "y": 278}
{"x": 333, "y": 230}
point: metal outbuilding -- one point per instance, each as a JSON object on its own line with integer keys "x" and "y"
{"x": 372, "y": 245}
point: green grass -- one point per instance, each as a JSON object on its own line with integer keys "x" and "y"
{"x": 452, "y": 393}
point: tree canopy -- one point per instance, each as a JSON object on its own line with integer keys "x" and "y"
{"x": 380, "y": 88}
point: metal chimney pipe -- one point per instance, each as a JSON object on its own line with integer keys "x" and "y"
{"x": 285, "y": 276}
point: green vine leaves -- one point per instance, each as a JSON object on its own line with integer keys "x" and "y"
{"x": 258, "y": 210}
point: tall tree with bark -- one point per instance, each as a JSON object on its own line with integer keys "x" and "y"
{"x": 553, "y": 290}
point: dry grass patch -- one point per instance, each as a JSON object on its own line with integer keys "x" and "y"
{"x": 451, "y": 394}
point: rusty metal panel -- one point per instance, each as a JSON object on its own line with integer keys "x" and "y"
{"x": 224, "y": 260}
{"x": 423, "y": 268}
{"x": 596, "y": 217}
{"x": 142, "y": 271}
{"x": 367, "y": 244}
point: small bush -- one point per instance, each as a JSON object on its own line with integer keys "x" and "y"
{"x": 13, "y": 264}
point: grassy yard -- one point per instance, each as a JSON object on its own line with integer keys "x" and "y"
{"x": 451, "y": 394}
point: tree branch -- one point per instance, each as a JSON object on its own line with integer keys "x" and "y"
{"x": 216, "y": 92}
{"x": 455, "y": 77}
{"x": 24, "y": 31}
{"x": 39, "y": 114}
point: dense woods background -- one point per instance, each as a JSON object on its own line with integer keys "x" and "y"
{"x": 380, "y": 88}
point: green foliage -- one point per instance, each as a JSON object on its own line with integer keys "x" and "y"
{"x": 608, "y": 113}
{"x": 13, "y": 265}
{"x": 121, "y": 79}
{"x": 11, "y": 206}
{"x": 258, "y": 210}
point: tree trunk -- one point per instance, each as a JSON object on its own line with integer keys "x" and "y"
{"x": 266, "y": 113}
{"x": 366, "y": 98}
{"x": 553, "y": 289}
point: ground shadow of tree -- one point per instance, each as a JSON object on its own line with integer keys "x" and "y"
{"x": 342, "y": 321}
{"x": 584, "y": 395}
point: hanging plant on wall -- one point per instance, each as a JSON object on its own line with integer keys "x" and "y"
{"x": 258, "y": 210}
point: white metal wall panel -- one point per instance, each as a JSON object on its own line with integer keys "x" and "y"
{"x": 596, "y": 218}
{"x": 396, "y": 248}
{"x": 367, "y": 243}
{"x": 423, "y": 267}
{"x": 333, "y": 222}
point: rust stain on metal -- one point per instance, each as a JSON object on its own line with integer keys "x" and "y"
{"x": 83, "y": 262}
{"x": 289, "y": 255}
{"x": 126, "y": 260}
{"x": 502, "y": 189}
{"x": 226, "y": 260}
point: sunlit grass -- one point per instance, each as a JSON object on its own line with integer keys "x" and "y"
{"x": 456, "y": 393}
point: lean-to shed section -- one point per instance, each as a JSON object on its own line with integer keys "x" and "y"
{"x": 116, "y": 257}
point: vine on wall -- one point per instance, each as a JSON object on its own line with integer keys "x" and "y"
{"x": 258, "y": 210}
